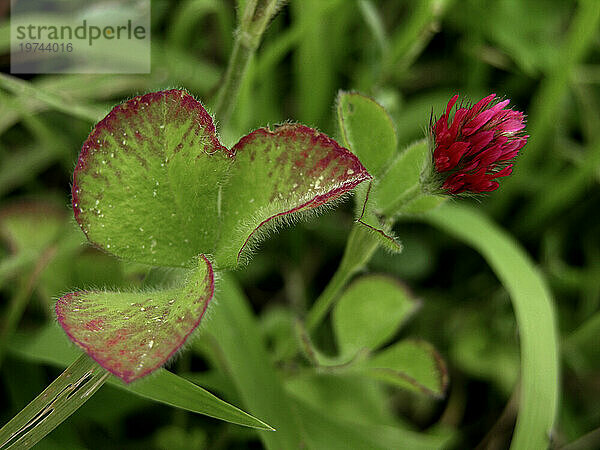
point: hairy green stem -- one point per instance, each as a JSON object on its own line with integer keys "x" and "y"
{"x": 253, "y": 22}
{"x": 360, "y": 247}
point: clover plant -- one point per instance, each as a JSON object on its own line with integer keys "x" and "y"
{"x": 155, "y": 187}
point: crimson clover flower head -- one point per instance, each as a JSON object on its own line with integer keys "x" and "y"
{"x": 475, "y": 148}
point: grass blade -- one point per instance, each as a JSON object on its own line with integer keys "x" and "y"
{"x": 532, "y": 303}
{"x": 166, "y": 387}
{"x": 53, "y": 406}
{"x": 52, "y": 346}
{"x": 237, "y": 336}
{"x": 24, "y": 89}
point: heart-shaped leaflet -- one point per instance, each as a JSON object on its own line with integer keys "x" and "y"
{"x": 131, "y": 334}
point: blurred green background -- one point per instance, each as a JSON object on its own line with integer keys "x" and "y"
{"x": 411, "y": 56}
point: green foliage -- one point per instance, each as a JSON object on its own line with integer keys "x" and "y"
{"x": 413, "y": 365}
{"x": 241, "y": 354}
{"x": 51, "y": 346}
{"x": 236, "y": 341}
{"x": 262, "y": 346}
{"x": 535, "y": 317}
{"x": 370, "y": 312}
{"x": 157, "y": 156}
{"x": 147, "y": 174}
{"x": 325, "y": 431}
{"x": 277, "y": 175}
{"x": 403, "y": 176}
{"x": 367, "y": 130}
{"x": 131, "y": 334}
{"x": 58, "y": 401}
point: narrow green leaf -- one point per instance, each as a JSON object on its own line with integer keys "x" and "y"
{"x": 314, "y": 68}
{"x": 410, "y": 364}
{"x": 370, "y": 312}
{"x": 51, "y": 346}
{"x": 246, "y": 359}
{"x": 170, "y": 389}
{"x": 23, "y": 88}
{"x": 374, "y": 21}
{"x": 53, "y": 406}
{"x": 533, "y": 307}
{"x": 367, "y": 130}
{"x": 130, "y": 334}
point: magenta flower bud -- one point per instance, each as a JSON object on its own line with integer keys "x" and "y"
{"x": 477, "y": 147}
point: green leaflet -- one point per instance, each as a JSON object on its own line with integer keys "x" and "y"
{"x": 402, "y": 177}
{"x": 410, "y": 364}
{"x": 135, "y": 185}
{"x": 131, "y": 334}
{"x": 277, "y": 173}
{"x": 369, "y": 313}
{"x": 367, "y": 129}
